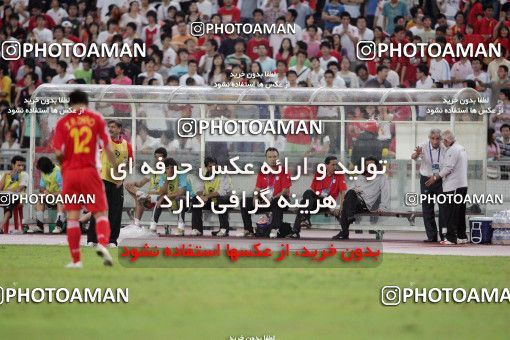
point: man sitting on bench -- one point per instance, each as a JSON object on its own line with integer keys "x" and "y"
{"x": 13, "y": 181}
{"x": 147, "y": 200}
{"x": 278, "y": 185}
{"x": 174, "y": 191}
{"x": 214, "y": 191}
{"x": 50, "y": 184}
{"x": 367, "y": 195}
{"x": 331, "y": 185}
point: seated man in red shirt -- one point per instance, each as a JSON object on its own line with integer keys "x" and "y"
{"x": 278, "y": 185}
{"x": 331, "y": 185}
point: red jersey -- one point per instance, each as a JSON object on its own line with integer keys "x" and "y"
{"x": 474, "y": 12}
{"x": 253, "y": 45}
{"x": 332, "y": 185}
{"x": 275, "y": 182}
{"x": 80, "y": 136}
{"x": 485, "y": 26}
{"x": 230, "y": 15}
{"x": 298, "y": 114}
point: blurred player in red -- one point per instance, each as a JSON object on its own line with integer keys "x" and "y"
{"x": 78, "y": 138}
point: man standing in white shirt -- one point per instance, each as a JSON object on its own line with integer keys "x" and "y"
{"x": 364, "y": 32}
{"x": 423, "y": 81}
{"x": 338, "y": 81}
{"x": 453, "y": 173}
{"x": 192, "y": 73}
{"x": 62, "y": 76}
{"x": 479, "y": 76}
{"x": 301, "y": 70}
{"x": 326, "y": 57}
{"x": 41, "y": 33}
{"x": 349, "y": 35}
{"x": 56, "y": 12}
{"x": 431, "y": 153}
{"x": 112, "y": 28}
{"x": 460, "y": 72}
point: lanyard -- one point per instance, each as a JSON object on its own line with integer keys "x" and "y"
{"x": 438, "y": 153}
{"x": 274, "y": 181}
{"x": 331, "y": 183}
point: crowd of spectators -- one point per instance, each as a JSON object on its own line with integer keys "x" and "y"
{"x": 321, "y": 53}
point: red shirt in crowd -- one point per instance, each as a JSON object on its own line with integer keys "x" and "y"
{"x": 297, "y": 114}
{"x": 276, "y": 182}
{"x": 230, "y": 15}
{"x": 150, "y": 35}
{"x": 474, "y": 39}
{"x": 252, "y": 48}
{"x": 485, "y": 26}
{"x": 50, "y": 23}
{"x": 330, "y": 184}
{"x": 80, "y": 136}
{"x": 475, "y": 10}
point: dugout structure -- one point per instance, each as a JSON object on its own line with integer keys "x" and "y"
{"x": 150, "y": 113}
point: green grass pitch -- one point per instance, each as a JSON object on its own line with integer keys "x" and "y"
{"x": 302, "y": 303}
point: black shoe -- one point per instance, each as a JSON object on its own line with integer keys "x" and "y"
{"x": 293, "y": 235}
{"x": 340, "y": 236}
{"x": 40, "y": 224}
{"x": 430, "y": 240}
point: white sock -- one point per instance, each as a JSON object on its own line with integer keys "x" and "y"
{"x": 137, "y": 222}
{"x": 153, "y": 225}
{"x": 39, "y": 215}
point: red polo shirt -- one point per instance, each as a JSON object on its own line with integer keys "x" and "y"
{"x": 332, "y": 184}
{"x": 277, "y": 182}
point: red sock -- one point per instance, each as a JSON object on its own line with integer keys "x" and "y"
{"x": 103, "y": 230}
{"x": 73, "y": 238}
{"x": 6, "y": 227}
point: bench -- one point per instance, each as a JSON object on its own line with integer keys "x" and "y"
{"x": 409, "y": 215}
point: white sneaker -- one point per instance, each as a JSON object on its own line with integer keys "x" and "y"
{"x": 16, "y": 232}
{"x": 112, "y": 245}
{"x": 462, "y": 241}
{"x": 74, "y": 265}
{"x": 181, "y": 225}
{"x": 274, "y": 233}
{"x": 35, "y": 230}
{"x": 103, "y": 252}
{"x": 57, "y": 230}
{"x": 91, "y": 244}
{"x": 222, "y": 232}
{"x": 153, "y": 227}
{"x": 178, "y": 231}
{"x": 245, "y": 233}
{"x": 196, "y": 232}
{"x": 446, "y": 243}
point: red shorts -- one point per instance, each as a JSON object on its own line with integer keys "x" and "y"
{"x": 81, "y": 183}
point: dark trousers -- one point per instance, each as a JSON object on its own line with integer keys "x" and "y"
{"x": 276, "y": 211}
{"x": 196, "y": 213}
{"x": 313, "y": 200}
{"x": 181, "y": 200}
{"x": 353, "y": 204}
{"x": 456, "y": 216}
{"x": 429, "y": 217}
{"x": 115, "y": 199}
